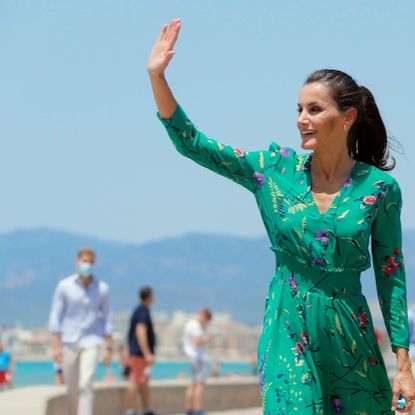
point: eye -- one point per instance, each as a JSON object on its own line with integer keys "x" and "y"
{"x": 315, "y": 109}
{"x": 299, "y": 110}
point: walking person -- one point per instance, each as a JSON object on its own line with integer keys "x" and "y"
{"x": 80, "y": 323}
{"x": 195, "y": 340}
{"x": 142, "y": 343}
{"x": 317, "y": 352}
{"x": 5, "y": 368}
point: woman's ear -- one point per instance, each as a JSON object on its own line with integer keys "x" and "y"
{"x": 350, "y": 116}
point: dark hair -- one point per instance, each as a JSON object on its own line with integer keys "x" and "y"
{"x": 367, "y": 140}
{"x": 207, "y": 313}
{"x": 145, "y": 292}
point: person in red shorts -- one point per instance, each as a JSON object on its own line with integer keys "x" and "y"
{"x": 5, "y": 372}
{"x": 142, "y": 342}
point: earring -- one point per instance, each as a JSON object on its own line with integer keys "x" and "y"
{"x": 345, "y": 127}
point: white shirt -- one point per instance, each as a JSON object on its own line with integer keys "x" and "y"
{"x": 81, "y": 314}
{"x": 192, "y": 329}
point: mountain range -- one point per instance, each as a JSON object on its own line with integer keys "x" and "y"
{"x": 223, "y": 272}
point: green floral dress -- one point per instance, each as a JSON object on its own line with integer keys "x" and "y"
{"x": 317, "y": 353}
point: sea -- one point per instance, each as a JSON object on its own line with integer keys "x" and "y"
{"x": 29, "y": 373}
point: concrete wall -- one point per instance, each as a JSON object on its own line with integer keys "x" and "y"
{"x": 167, "y": 397}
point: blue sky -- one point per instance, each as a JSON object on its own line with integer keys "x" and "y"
{"x": 83, "y": 151}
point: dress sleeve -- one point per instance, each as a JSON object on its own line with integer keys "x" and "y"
{"x": 389, "y": 265}
{"x": 243, "y": 168}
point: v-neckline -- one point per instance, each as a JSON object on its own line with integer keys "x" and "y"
{"x": 348, "y": 182}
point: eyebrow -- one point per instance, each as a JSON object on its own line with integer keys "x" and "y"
{"x": 310, "y": 103}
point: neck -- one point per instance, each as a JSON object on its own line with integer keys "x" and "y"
{"x": 330, "y": 166}
{"x": 85, "y": 280}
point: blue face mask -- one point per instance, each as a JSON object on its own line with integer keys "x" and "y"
{"x": 85, "y": 269}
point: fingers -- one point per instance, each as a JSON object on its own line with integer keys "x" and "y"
{"x": 171, "y": 32}
{"x": 173, "y": 29}
{"x": 163, "y": 31}
{"x": 395, "y": 398}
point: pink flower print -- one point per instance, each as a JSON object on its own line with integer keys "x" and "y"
{"x": 285, "y": 152}
{"x": 388, "y": 269}
{"x": 393, "y": 262}
{"x": 369, "y": 200}
{"x": 239, "y": 152}
{"x": 304, "y": 337}
{"x": 363, "y": 319}
{"x": 259, "y": 178}
{"x": 300, "y": 348}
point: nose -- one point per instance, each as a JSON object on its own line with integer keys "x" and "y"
{"x": 301, "y": 120}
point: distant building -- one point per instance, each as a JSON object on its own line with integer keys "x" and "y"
{"x": 232, "y": 339}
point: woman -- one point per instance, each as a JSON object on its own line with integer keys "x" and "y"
{"x": 317, "y": 353}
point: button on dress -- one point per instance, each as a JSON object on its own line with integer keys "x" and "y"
{"x": 317, "y": 352}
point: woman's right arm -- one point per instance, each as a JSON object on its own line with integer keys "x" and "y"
{"x": 160, "y": 57}
{"x": 242, "y": 167}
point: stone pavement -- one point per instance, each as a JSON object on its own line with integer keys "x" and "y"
{"x": 250, "y": 411}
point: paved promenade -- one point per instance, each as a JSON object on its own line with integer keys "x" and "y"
{"x": 251, "y": 411}
{"x": 110, "y": 398}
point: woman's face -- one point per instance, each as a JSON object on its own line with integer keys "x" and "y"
{"x": 321, "y": 125}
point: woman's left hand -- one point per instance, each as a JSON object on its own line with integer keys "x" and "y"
{"x": 403, "y": 385}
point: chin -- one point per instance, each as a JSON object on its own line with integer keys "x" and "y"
{"x": 310, "y": 144}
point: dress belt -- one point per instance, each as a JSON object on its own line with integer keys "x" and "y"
{"x": 332, "y": 281}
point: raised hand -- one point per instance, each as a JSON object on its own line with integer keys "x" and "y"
{"x": 162, "y": 51}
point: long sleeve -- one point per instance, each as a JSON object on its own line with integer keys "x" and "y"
{"x": 232, "y": 163}
{"x": 107, "y": 314}
{"x": 411, "y": 320}
{"x": 389, "y": 265}
{"x": 57, "y": 309}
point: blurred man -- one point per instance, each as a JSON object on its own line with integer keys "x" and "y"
{"x": 5, "y": 368}
{"x": 142, "y": 342}
{"x": 80, "y": 323}
{"x": 194, "y": 342}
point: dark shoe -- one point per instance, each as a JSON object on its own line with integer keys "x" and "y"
{"x": 149, "y": 413}
{"x": 189, "y": 413}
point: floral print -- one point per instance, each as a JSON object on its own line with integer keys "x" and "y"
{"x": 317, "y": 353}
{"x": 259, "y": 178}
{"x": 323, "y": 237}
